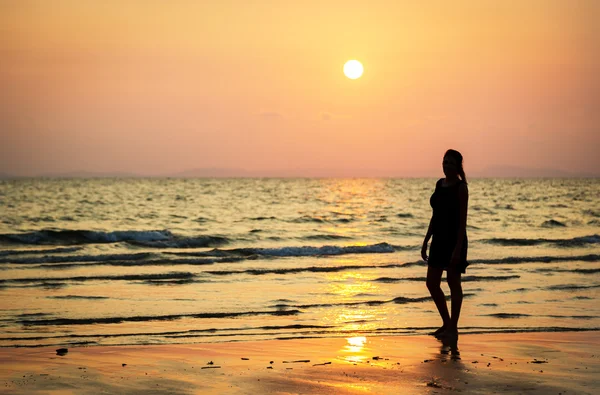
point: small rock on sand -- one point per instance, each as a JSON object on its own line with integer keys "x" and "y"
{"x": 62, "y": 351}
{"x": 536, "y": 361}
{"x": 433, "y": 384}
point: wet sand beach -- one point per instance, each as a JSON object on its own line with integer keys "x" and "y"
{"x": 526, "y": 363}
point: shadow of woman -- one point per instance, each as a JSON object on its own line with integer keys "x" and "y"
{"x": 446, "y": 369}
{"x": 449, "y": 349}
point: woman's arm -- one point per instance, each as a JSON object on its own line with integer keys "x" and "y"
{"x": 463, "y": 203}
{"x": 427, "y": 237}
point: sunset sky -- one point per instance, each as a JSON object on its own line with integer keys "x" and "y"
{"x": 156, "y": 87}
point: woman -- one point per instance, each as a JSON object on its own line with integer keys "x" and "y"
{"x": 449, "y": 245}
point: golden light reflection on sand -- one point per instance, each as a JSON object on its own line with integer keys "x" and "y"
{"x": 356, "y": 344}
{"x": 355, "y": 350}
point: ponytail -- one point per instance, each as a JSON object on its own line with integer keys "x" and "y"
{"x": 461, "y": 172}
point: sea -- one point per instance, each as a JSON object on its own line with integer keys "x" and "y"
{"x": 118, "y": 261}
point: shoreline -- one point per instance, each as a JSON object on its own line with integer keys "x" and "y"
{"x": 531, "y": 363}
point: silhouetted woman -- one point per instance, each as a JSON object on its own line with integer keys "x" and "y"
{"x": 449, "y": 245}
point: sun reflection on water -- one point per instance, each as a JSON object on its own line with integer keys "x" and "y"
{"x": 351, "y": 290}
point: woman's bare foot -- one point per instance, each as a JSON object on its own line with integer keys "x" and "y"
{"x": 439, "y": 330}
{"x": 448, "y": 333}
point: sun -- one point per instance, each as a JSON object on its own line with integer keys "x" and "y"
{"x": 353, "y": 69}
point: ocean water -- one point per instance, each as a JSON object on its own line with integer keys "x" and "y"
{"x": 155, "y": 261}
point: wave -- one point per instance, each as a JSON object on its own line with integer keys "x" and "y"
{"x": 33, "y": 315}
{"x": 234, "y": 334}
{"x": 405, "y": 215}
{"x": 124, "y": 277}
{"x": 530, "y": 259}
{"x": 507, "y": 315}
{"x": 516, "y": 290}
{"x": 77, "y": 258}
{"x": 573, "y": 242}
{"x": 593, "y": 213}
{"x": 284, "y": 310}
{"x": 262, "y": 218}
{"x": 570, "y": 287}
{"x": 325, "y": 237}
{"x": 380, "y": 248}
{"x": 171, "y": 282}
{"x": 141, "y": 262}
{"x": 147, "y": 238}
{"x": 553, "y": 224}
{"x": 305, "y": 251}
{"x": 183, "y": 242}
{"x": 523, "y": 315}
{"x": 48, "y": 284}
{"x": 171, "y": 317}
{"x": 77, "y": 297}
{"x": 560, "y": 270}
{"x": 60, "y": 250}
{"x": 292, "y": 270}
{"x": 483, "y": 209}
{"x": 67, "y": 237}
{"x": 476, "y": 330}
{"x": 308, "y": 219}
{"x": 463, "y": 279}
{"x": 229, "y": 256}
{"x": 172, "y": 333}
{"x": 397, "y": 300}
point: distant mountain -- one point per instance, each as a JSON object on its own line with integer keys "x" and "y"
{"x": 276, "y": 173}
{"x": 496, "y": 171}
{"x": 210, "y": 172}
{"x": 6, "y": 176}
{"x": 89, "y": 174}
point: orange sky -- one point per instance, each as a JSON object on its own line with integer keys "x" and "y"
{"x": 153, "y": 87}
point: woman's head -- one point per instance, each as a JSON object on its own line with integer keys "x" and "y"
{"x": 453, "y": 164}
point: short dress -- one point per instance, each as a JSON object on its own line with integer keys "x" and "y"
{"x": 445, "y": 221}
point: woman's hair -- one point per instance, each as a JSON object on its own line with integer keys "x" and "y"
{"x": 459, "y": 162}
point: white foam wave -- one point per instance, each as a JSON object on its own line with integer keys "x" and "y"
{"x": 326, "y": 250}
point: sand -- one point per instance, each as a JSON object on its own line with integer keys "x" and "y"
{"x": 526, "y": 363}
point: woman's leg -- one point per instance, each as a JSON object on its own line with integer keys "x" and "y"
{"x": 434, "y": 279}
{"x": 456, "y": 296}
